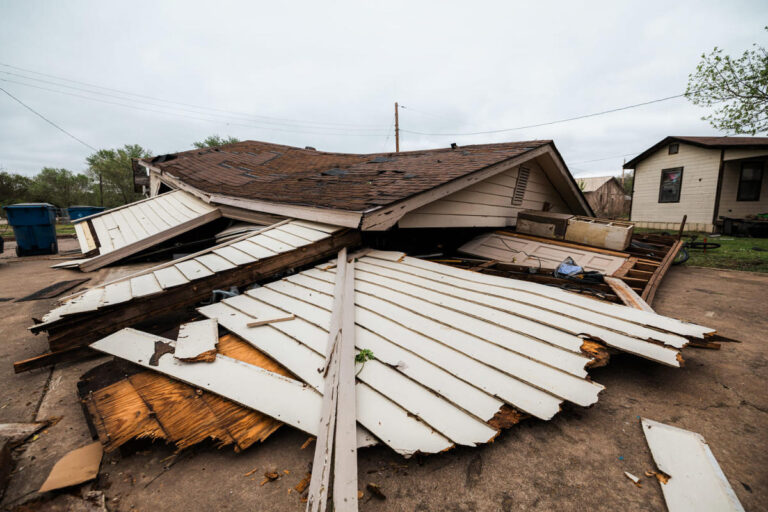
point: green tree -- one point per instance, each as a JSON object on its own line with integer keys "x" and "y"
{"x": 215, "y": 140}
{"x": 737, "y": 87}
{"x": 60, "y": 187}
{"x": 14, "y": 188}
{"x": 112, "y": 174}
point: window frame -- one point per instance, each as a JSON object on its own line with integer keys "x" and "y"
{"x": 679, "y": 188}
{"x": 761, "y": 165}
{"x": 676, "y": 147}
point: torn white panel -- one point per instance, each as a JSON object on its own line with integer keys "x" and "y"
{"x": 196, "y": 340}
{"x": 120, "y": 232}
{"x": 696, "y": 481}
{"x": 288, "y": 400}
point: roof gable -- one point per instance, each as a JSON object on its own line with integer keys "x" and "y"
{"x": 302, "y": 182}
{"x": 703, "y": 142}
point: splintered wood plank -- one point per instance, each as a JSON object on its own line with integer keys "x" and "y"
{"x": 345, "y": 452}
{"x": 289, "y": 400}
{"x": 627, "y": 295}
{"x": 234, "y": 255}
{"x": 175, "y": 406}
{"x": 193, "y": 269}
{"x": 197, "y": 341}
{"x": 319, "y": 488}
{"x": 696, "y": 481}
{"x": 120, "y": 414}
{"x": 169, "y": 277}
{"x": 144, "y": 285}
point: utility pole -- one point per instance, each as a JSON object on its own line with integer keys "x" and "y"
{"x": 397, "y": 130}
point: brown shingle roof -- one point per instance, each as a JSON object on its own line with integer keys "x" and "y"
{"x": 704, "y": 142}
{"x": 352, "y": 182}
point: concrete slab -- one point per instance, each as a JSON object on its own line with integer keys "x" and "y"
{"x": 576, "y": 461}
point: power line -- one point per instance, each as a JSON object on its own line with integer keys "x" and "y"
{"x": 41, "y": 116}
{"x": 217, "y": 121}
{"x": 487, "y": 132}
{"x": 605, "y": 158}
{"x": 127, "y": 93}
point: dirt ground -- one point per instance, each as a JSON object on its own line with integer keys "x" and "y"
{"x": 575, "y": 462}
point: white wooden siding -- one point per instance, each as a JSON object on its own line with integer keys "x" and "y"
{"x": 451, "y": 346}
{"x": 126, "y": 230}
{"x": 219, "y": 258}
{"x": 697, "y": 194}
{"x": 488, "y": 203}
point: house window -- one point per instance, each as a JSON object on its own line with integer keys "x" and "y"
{"x": 750, "y": 181}
{"x": 671, "y": 179}
{"x": 674, "y": 148}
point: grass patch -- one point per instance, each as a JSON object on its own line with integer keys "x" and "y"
{"x": 65, "y": 229}
{"x": 734, "y": 253}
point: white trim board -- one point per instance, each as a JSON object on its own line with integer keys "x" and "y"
{"x": 696, "y": 481}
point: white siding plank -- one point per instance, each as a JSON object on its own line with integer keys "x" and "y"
{"x": 193, "y": 269}
{"x": 145, "y": 285}
{"x": 169, "y": 277}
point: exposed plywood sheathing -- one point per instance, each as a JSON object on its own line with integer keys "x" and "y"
{"x": 538, "y": 254}
{"x": 452, "y": 348}
{"x": 132, "y": 403}
{"x": 120, "y": 232}
{"x": 696, "y": 481}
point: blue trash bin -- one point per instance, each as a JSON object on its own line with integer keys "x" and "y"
{"x": 78, "y": 212}
{"x": 34, "y": 225}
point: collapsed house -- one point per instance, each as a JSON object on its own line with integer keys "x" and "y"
{"x": 416, "y": 300}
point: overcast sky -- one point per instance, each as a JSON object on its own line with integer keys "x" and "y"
{"x": 326, "y": 74}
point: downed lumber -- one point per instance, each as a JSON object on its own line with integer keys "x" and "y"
{"x": 450, "y": 346}
{"x": 696, "y": 481}
{"x": 125, "y": 402}
{"x": 100, "y": 316}
{"x": 627, "y": 294}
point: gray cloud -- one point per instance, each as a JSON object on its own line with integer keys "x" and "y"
{"x": 455, "y": 66}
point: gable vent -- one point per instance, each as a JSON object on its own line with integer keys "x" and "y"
{"x": 520, "y": 186}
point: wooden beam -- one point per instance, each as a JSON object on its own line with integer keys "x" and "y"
{"x": 653, "y": 284}
{"x": 319, "y": 487}
{"x": 51, "y": 358}
{"x": 345, "y": 452}
{"x": 567, "y": 244}
{"x": 627, "y": 294}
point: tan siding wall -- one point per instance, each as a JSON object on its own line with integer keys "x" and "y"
{"x": 729, "y": 206}
{"x": 733, "y": 154}
{"x": 488, "y": 203}
{"x": 697, "y": 195}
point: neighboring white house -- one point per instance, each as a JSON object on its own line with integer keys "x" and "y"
{"x": 705, "y": 178}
